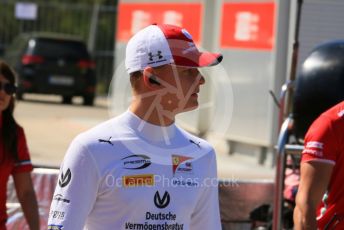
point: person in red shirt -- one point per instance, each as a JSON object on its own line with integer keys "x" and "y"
{"x": 14, "y": 154}
{"x": 320, "y": 199}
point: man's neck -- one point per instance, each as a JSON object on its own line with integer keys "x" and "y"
{"x": 150, "y": 113}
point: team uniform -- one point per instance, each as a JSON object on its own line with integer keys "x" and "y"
{"x": 11, "y": 167}
{"x": 324, "y": 142}
{"x": 129, "y": 174}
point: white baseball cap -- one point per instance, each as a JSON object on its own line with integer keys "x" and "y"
{"x": 161, "y": 44}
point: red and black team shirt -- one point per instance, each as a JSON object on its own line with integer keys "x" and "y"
{"x": 324, "y": 142}
{"x": 10, "y": 167}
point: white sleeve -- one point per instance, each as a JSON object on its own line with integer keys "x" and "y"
{"x": 207, "y": 212}
{"x": 76, "y": 189}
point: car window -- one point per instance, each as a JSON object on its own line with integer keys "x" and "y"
{"x": 58, "y": 48}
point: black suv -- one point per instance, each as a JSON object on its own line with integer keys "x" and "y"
{"x": 53, "y": 64}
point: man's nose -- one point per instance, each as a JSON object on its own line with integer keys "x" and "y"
{"x": 200, "y": 78}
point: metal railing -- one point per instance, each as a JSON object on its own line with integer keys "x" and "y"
{"x": 283, "y": 150}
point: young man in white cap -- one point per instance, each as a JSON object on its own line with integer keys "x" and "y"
{"x": 139, "y": 170}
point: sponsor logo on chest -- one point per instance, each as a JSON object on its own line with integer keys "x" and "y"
{"x": 138, "y": 180}
{"x": 181, "y": 164}
{"x": 162, "y": 201}
{"x": 136, "y": 161}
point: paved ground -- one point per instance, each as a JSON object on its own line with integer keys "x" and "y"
{"x": 50, "y": 127}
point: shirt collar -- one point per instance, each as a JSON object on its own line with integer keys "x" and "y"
{"x": 154, "y": 133}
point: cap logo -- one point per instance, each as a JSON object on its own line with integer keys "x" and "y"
{"x": 158, "y": 55}
{"x": 187, "y": 34}
{"x": 156, "y": 58}
{"x": 191, "y": 48}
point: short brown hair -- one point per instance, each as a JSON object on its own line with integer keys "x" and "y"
{"x": 134, "y": 78}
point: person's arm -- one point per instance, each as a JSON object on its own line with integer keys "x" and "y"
{"x": 27, "y": 198}
{"x": 23, "y": 183}
{"x": 76, "y": 189}
{"x": 315, "y": 177}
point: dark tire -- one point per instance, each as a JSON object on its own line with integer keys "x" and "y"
{"x": 67, "y": 100}
{"x": 88, "y": 100}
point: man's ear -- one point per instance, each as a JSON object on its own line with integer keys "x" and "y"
{"x": 150, "y": 78}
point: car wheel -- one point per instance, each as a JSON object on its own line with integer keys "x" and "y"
{"x": 88, "y": 100}
{"x": 67, "y": 100}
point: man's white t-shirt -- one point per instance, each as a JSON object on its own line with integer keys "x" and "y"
{"x": 129, "y": 174}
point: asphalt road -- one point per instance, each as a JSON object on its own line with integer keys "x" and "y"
{"x": 50, "y": 127}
